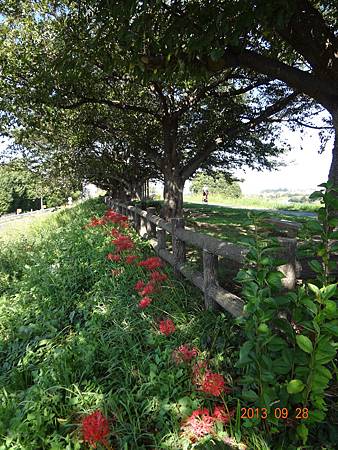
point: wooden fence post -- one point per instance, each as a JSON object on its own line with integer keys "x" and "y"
{"x": 137, "y": 221}
{"x": 130, "y": 214}
{"x": 161, "y": 242}
{"x": 210, "y": 264}
{"x": 288, "y": 253}
{"x": 178, "y": 245}
{"x": 143, "y": 226}
{"x": 151, "y": 227}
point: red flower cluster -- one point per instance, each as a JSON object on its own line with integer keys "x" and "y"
{"x": 151, "y": 263}
{"x": 122, "y": 243}
{"x": 115, "y": 217}
{"x": 110, "y": 256}
{"x": 167, "y": 327}
{"x": 95, "y": 222}
{"x": 184, "y": 354}
{"x": 213, "y": 383}
{"x": 201, "y": 423}
{"x": 158, "y": 276}
{"x": 209, "y": 382}
{"x": 148, "y": 289}
{"x": 115, "y": 232}
{"x": 95, "y": 429}
{"x": 139, "y": 285}
{"x": 145, "y": 302}
{"x": 131, "y": 258}
{"x": 116, "y": 258}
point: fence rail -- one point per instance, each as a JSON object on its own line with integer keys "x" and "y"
{"x": 155, "y": 229}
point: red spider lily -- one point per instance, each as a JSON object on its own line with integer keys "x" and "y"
{"x": 114, "y": 232}
{"x": 115, "y": 217}
{"x": 167, "y": 327}
{"x": 139, "y": 285}
{"x": 184, "y": 354}
{"x": 149, "y": 288}
{"x": 144, "y": 302}
{"x": 221, "y": 415}
{"x": 199, "y": 424}
{"x": 110, "y": 256}
{"x": 116, "y": 258}
{"x": 158, "y": 276}
{"x": 151, "y": 263}
{"x": 131, "y": 258}
{"x": 123, "y": 243}
{"x": 95, "y": 429}
{"x": 213, "y": 383}
{"x": 94, "y": 222}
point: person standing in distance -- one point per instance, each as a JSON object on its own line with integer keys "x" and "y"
{"x": 205, "y": 194}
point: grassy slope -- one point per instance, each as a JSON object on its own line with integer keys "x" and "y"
{"x": 73, "y": 340}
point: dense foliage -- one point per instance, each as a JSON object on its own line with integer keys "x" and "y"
{"x": 217, "y": 183}
{"x": 22, "y": 188}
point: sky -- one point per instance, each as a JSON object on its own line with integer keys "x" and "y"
{"x": 304, "y": 169}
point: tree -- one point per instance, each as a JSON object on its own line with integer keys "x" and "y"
{"x": 293, "y": 41}
{"x": 81, "y": 61}
{"x": 217, "y": 184}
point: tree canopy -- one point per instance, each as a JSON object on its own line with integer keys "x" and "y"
{"x": 175, "y": 86}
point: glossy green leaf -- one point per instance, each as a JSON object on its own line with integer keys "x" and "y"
{"x": 304, "y": 343}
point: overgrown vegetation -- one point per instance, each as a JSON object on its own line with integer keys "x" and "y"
{"x": 73, "y": 340}
{"x": 89, "y": 336}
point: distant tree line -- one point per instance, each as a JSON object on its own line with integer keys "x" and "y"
{"x": 21, "y": 188}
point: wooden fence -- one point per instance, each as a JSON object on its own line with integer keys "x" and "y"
{"x": 155, "y": 230}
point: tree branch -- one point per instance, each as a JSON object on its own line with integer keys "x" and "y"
{"x": 211, "y": 145}
{"x": 111, "y": 103}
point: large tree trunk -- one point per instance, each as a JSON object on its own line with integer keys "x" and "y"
{"x": 173, "y": 180}
{"x": 333, "y": 174}
{"x": 173, "y": 196}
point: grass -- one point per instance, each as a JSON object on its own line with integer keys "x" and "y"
{"x": 73, "y": 340}
{"x": 253, "y": 202}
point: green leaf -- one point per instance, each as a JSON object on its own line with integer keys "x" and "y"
{"x": 249, "y": 395}
{"x": 316, "y": 195}
{"x": 328, "y": 291}
{"x": 304, "y": 343}
{"x": 310, "y": 305}
{"x": 244, "y": 352}
{"x": 303, "y": 432}
{"x": 325, "y": 351}
{"x": 316, "y": 266}
{"x": 276, "y": 344}
{"x": 284, "y": 325}
{"x": 332, "y": 328}
{"x": 274, "y": 279}
{"x": 295, "y": 386}
{"x": 313, "y": 288}
{"x": 281, "y": 367}
{"x": 333, "y": 222}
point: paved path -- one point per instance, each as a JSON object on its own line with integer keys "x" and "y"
{"x": 275, "y": 211}
{"x": 9, "y": 219}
